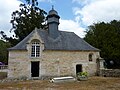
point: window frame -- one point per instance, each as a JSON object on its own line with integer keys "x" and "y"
{"x": 35, "y": 49}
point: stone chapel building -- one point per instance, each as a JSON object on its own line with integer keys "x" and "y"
{"x": 46, "y": 53}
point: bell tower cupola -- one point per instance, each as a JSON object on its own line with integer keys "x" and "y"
{"x": 53, "y": 22}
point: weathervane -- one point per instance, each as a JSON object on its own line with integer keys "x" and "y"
{"x": 52, "y": 7}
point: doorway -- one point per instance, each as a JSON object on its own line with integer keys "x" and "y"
{"x": 78, "y": 68}
{"x": 35, "y": 69}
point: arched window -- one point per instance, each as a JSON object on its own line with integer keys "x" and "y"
{"x": 35, "y": 49}
{"x": 90, "y": 56}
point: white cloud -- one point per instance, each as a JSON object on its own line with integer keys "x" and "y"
{"x": 7, "y": 7}
{"x": 83, "y": 2}
{"x": 79, "y": 1}
{"x": 71, "y": 26}
{"x": 99, "y": 10}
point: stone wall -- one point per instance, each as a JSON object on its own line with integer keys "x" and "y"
{"x": 110, "y": 72}
{"x": 64, "y": 62}
{"x": 18, "y": 64}
{"x": 52, "y": 63}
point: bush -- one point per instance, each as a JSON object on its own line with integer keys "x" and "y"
{"x": 83, "y": 74}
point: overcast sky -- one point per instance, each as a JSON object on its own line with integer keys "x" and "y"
{"x": 75, "y": 15}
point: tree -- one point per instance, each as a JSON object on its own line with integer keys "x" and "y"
{"x": 27, "y": 18}
{"x": 11, "y": 40}
{"x": 3, "y": 51}
{"x": 106, "y": 37}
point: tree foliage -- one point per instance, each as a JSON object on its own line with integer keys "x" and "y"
{"x": 3, "y": 51}
{"x": 27, "y": 18}
{"x": 106, "y": 37}
{"x": 11, "y": 40}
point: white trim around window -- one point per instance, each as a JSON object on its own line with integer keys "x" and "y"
{"x": 35, "y": 49}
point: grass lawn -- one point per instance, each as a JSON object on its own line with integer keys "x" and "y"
{"x": 93, "y": 83}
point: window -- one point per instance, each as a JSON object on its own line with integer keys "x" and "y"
{"x": 90, "y": 56}
{"x": 35, "y": 49}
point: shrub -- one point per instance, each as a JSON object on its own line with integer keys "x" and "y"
{"x": 83, "y": 74}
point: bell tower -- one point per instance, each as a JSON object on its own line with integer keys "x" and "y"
{"x": 53, "y": 22}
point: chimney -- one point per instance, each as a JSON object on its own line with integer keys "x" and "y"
{"x": 53, "y": 22}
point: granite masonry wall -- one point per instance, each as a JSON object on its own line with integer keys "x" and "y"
{"x": 110, "y": 72}
{"x": 52, "y": 63}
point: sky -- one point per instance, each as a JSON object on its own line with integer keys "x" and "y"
{"x": 75, "y": 15}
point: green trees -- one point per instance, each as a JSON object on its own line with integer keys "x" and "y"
{"x": 3, "y": 51}
{"x": 27, "y": 18}
{"x": 106, "y": 37}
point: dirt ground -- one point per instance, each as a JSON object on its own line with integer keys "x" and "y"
{"x": 93, "y": 83}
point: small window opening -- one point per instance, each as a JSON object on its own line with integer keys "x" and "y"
{"x": 91, "y": 57}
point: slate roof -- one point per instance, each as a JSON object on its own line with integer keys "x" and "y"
{"x": 65, "y": 41}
